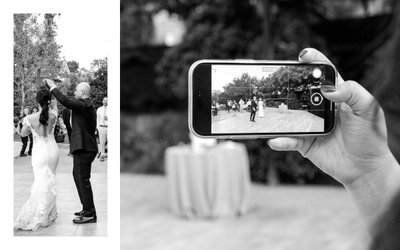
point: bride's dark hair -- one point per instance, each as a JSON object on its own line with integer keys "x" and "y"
{"x": 43, "y": 97}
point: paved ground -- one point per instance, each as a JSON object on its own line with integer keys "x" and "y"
{"x": 67, "y": 196}
{"x": 282, "y": 217}
{"x": 273, "y": 121}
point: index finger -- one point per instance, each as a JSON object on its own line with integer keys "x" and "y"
{"x": 308, "y": 55}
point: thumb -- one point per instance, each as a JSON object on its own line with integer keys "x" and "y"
{"x": 351, "y": 93}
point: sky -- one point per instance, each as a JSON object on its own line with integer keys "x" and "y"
{"x": 221, "y": 75}
{"x": 82, "y": 36}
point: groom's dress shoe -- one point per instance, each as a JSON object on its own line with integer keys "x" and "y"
{"x": 81, "y": 213}
{"x": 84, "y": 219}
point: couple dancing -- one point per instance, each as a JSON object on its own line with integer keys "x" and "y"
{"x": 254, "y": 106}
{"x": 40, "y": 210}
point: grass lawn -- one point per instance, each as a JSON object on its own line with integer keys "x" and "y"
{"x": 282, "y": 217}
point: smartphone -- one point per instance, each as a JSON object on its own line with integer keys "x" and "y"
{"x": 242, "y": 99}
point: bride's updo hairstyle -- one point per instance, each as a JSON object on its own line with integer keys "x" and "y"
{"x": 43, "y": 97}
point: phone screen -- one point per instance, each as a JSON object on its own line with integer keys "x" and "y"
{"x": 266, "y": 99}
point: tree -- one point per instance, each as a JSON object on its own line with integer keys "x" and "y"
{"x": 84, "y": 75}
{"x": 35, "y": 55}
{"x": 237, "y": 29}
{"x": 259, "y": 29}
{"x": 25, "y": 55}
{"x": 73, "y": 66}
{"x": 99, "y": 81}
{"x": 241, "y": 87}
{"x": 382, "y": 79}
{"x": 136, "y": 22}
{"x": 50, "y": 62}
{"x": 217, "y": 29}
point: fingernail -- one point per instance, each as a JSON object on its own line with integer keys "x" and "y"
{"x": 328, "y": 88}
{"x": 302, "y": 53}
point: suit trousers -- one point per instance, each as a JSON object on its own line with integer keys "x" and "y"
{"x": 102, "y": 139}
{"x": 69, "y": 131}
{"x": 81, "y": 172}
{"x": 252, "y": 115}
{"x": 25, "y": 144}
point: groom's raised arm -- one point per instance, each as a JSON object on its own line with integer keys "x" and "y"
{"x": 67, "y": 102}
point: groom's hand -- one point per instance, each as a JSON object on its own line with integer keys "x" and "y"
{"x": 50, "y": 83}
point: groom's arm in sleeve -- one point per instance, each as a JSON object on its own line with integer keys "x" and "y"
{"x": 53, "y": 104}
{"x": 70, "y": 103}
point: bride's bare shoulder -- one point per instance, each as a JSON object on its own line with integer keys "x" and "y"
{"x": 33, "y": 118}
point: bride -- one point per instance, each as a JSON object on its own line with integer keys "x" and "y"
{"x": 40, "y": 210}
{"x": 261, "y": 106}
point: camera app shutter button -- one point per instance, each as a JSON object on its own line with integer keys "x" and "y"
{"x": 316, "y": 99}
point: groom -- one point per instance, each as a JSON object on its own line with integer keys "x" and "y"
{"x": 253, "y": 109}
{"x": 83, "y": 145}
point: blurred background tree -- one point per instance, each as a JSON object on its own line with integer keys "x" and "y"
{"x": 154, "y": 73}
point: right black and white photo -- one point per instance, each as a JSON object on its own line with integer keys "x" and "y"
{"x": 260, "y": 124}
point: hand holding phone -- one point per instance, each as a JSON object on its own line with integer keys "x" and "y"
{"x": 358, "y": 145}
{"x": 356, "y": 153}
{"x": 260, "y": 98}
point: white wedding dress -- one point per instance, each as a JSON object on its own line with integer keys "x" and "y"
{"x": 40, "y": 210}
{"x": 260, "y": 109}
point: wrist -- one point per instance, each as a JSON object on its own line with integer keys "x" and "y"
{"x": 373, "y": 170}
{"x": 373, "y": 190}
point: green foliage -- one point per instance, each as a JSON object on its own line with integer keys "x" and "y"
{"x": 73, "y": 66}
{"x": 241, "y": 87}
{"x": 291, "y": 164}
{"x": 36, "y": 55}
{"x": 235, "y": 29}
{"x": 222, "y": 29}
{"x": 217, "y": 29}
{"x": 226, "y": 29}
{"x": 144, "y": 139}
{"x": 136, "y": 23}
{"x": 84, "y": 75}
{"x": 99, "y": 81}
{"x": 287, "y": 82}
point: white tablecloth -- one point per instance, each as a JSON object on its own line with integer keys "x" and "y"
{"x": 213, "y": 183}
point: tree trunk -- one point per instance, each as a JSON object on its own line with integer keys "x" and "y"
{"x": 267, "y": 51}
{"x": 22, "y": 99}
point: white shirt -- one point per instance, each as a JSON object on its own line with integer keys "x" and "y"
{"x": 102, "y": 119}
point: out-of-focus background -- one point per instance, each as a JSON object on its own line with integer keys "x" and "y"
{"x": 161, "y": 39}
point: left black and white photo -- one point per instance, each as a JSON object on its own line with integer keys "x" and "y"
{"x": 60, "y": 111}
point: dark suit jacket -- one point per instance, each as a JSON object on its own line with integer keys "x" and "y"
{"x": 253, "y": 106}
{"x": 83, "y": 122}
{"x": 66, "y": 115}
